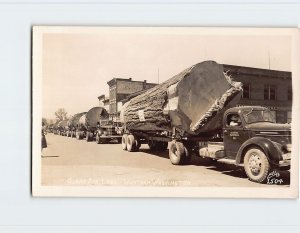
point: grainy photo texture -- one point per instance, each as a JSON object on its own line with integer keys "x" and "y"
{"x": 165, "y": 112}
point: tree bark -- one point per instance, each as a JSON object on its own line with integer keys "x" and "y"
{"x": 191, "y": 101}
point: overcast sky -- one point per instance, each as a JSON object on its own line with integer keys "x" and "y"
{"x": 76, "y": 67}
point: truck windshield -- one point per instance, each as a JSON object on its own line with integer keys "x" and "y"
{"x": 253, "y": 116}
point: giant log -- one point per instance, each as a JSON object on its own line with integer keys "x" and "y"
{"x": 192, "y": 102}
{"x": 73, "y": 121}
{"x": 92, "y": 118}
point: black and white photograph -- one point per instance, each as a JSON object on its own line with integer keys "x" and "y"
{"x": 165, "y": 112}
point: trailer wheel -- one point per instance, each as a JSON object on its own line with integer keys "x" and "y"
{"x": 131, "y": 143}
{"x": 256, "y": 165}
{"x": 137, "y": 144}
{"x": 124, "y": 141}
{"x": 177, "y": 152}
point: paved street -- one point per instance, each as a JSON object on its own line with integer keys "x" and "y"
{"x": 68, "y": 161}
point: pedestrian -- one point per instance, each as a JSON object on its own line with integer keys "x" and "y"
{"x": 44, "y": 142}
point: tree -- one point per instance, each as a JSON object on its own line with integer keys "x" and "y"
{"x": 44, "y": 121}
{"x": 61, "y": 114}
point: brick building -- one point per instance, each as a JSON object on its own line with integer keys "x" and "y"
{"x": 119, "y": 89}
{"x": 268, "y": 88}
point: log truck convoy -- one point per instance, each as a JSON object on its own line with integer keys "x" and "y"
{"x": 193, "y": 112}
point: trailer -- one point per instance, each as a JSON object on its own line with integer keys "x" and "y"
{"x": 194, "y": 113}
{"x": 73, "y": 123}
{"x": 87, "y": 123}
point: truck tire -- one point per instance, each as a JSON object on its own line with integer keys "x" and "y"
{"x": 124, "y": 141}
{"x": 137, "y": 143}
{"x": 256, "y": 165}
{"x": 177, "y": 152}
{"x": 131, "y": 143}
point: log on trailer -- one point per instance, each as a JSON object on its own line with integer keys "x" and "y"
{"x": 74, "y": 120}
{"x": 192, "y": 101}
{"x": 92, "y": 118}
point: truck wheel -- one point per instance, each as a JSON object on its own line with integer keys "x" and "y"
{"x": 256, "y": 165}
{"x": 131, "y": 144}
{"x": 177, "y": 152}
{"x": 137, "y": 144}
{"x": 124, "y": 141}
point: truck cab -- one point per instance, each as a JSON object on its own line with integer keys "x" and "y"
{"x": 252, "y": 138}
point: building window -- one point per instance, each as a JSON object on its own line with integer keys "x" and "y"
{"x": 290, "y": 93}
{"x": 270, "y": 92}
{"x": 246, "y": 91}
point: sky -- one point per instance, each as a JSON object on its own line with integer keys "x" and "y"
{"x": 77, "y": 66}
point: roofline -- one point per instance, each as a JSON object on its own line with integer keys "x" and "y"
{"x": 110, "y": 82}
{"x": 257, "y": 71}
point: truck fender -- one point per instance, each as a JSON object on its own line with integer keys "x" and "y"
{"x": 272, "y": 151}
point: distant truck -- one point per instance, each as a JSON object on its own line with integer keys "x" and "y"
{"x": 87, "y": 124}
{"x": 194, "y": 112}
{"x": 72, "y": 124}
{"x": 108, "y": 131}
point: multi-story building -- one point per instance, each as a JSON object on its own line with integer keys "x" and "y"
{"x": 268, "y": 88}
{"x": 120, "y": 88}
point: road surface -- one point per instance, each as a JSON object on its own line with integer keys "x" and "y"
{"x": 67, "y": 161}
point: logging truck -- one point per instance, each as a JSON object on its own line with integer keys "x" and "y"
{"x": 194, "y": 113}
{"x": 108, "y": 131}
{"x": 87, "y": 123}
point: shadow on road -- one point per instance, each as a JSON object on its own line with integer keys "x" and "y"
{"x": 226, "y": 169}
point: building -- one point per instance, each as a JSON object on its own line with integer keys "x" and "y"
{"x": 268, "y": 88}
{"x": 119, "y": 89}
{"x": 104, "y": 102}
